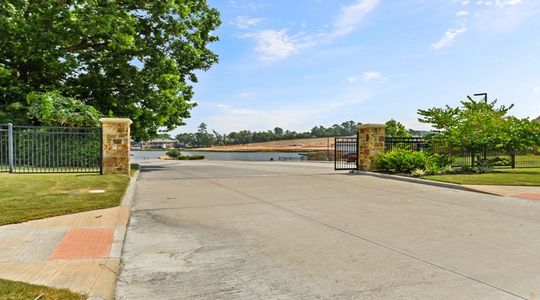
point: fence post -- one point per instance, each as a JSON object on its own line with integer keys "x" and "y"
{"x": 10, "y": 147}
{"x": 101, "y": 150}
{"x": 370, "y": 144}
{"x": 115, "y": 145}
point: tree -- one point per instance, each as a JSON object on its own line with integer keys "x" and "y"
{"x": 54, "y": 109}
{"x": 164, "y": 135}
{"x": 133, "y": 59}
{"x": 186, "y": 139}
{"x": 479, "y": 126}
{"x": 203, "y": 138}
{"x": 278, "y": 131}
{"x": 396, "y": 129}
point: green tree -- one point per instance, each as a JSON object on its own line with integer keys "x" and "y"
{"x": 54, "y": 109}
{"x": 396, "y": 129}
{"x": 202, "y": 136}
{"x": 478, "y": 126}
{"x": 164, "y": 135}
{"x": 133, "y": 59}
{"x": 186, "y": 139}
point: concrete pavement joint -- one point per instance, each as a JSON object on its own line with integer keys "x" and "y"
{"x": 375, "y": 242}
{"x": 191, "y": 207}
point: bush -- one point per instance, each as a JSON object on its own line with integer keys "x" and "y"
{"x": 195, "y": 157}
{"x": 173, "y": 153}
{"x": 189, "y": 157}
{"x": 401, "y": 161}
{"x": 405, "y": 161}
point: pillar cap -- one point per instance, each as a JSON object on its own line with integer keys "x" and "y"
{"x": 115, "y": 120}
{"x": 372, "y": 126}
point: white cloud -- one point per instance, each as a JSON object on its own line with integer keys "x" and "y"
{"x": 449, "y": 36}
{"x": 352, "y": 15}
{"x": 274, "y": 45}
{"x": 536, "y": 90}
{"x": 278, "y": 44}
{"x": 499, "y": 3}
{"x": 245, "y": 22}
{"x": 367, "y": 77}
{"x": 462, "y": 13}
{"x": 372, "y": 76}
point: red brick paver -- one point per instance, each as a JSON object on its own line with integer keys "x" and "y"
{"x": 84, "y": 243}
{"x": 528, "y": 196}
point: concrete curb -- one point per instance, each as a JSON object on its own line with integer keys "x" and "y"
{"x": 423, "y": 181}
{"x": 107, "y": 290}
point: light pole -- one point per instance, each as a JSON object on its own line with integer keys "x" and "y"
{"x": 482, "y": 94}
{"x": 484, "y": 151}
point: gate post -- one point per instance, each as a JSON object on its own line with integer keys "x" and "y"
{"x": 370, "y": 144}
{"x": 115, "y": 145}
{"x": 10, "y": 148}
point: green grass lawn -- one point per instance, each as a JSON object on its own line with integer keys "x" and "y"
{"x": 530, "y": 177}
{"x": 14, "y": 290}
{"x": 25, "y": 197}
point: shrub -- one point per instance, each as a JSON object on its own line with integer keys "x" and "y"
{"x": 173, "y": 153}
{"x": 405, "y": 161}
{"x": 440, "y": 160}
{"x": 418, "y": 172}
{"x": 195, "y": 157}
{"x": 181, "y": 157}
{"x": 400, "y": 161}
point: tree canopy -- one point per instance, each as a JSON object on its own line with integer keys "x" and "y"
{"x": 396, "y": 129}
{"x": 203, "y": 138}
{"x": 481, "y": 125}
{"x": 133, "y": 59}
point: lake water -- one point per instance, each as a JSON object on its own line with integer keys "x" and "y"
{"x": 138, "y": 156}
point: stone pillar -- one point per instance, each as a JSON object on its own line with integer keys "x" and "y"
{"x": 370, "y": 144}
{"x": 116, "y": 145}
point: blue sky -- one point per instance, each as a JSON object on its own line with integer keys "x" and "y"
{"x": 297, "y": 64}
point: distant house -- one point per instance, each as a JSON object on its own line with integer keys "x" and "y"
{"x": 161, "y": 143}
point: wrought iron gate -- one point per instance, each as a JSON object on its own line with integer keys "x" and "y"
{"x": 346, "y": 153}
{"x": 47, "y": 149}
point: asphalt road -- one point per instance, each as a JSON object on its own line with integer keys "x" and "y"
{"x": 271, "y": 230}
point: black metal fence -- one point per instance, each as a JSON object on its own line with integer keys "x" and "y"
{"x": 346, "y": 153}
{"x": 497, "y": 159}
{"x": 44, "y": 149}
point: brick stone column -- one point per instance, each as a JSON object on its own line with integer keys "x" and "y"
{"x": 116, "y": 145}
{"x": 370, "y": 144}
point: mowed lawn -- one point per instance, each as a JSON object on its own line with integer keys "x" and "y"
{"x": 524, "y": 176}
{"x": 25, "y": 197}
{"x": 14, "y": 290}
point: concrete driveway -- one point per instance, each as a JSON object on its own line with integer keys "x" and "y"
{"x": 270, "y": 230}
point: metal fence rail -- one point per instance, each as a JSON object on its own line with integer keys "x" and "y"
{"x": 497, "y": 159}
{"x": 48, "y": 149}
{"x": 346, "y": 153}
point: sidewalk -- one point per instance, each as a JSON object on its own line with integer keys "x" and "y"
{"x": 524, "y": 192}
{"x": 80, "y": 252}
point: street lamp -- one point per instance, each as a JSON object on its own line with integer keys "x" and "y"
{"x": 482, "y": 94}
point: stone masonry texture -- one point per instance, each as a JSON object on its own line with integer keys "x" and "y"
{"x": 116, "y": 145}
{"x": 370, "y": 144}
